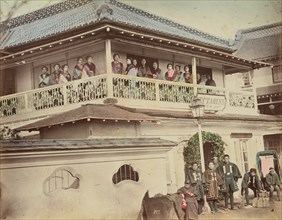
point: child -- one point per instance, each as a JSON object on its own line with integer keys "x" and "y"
{"x": 189, "y": 193}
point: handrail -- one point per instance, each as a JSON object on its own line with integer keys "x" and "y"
{"x": 120, "y": 87}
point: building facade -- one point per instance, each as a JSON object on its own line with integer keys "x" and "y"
{"x": 61, "y": 34}
{"x": 263, "y": 43}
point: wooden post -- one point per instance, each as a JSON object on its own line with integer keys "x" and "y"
{"x": 194, "y": 74}
{"x": 108, "y": 49}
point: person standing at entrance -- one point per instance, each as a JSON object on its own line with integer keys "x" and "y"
{"x": 230, "y": 174}
{"x": 273, "y": 183}
{"x": 213, "y": 181}
{"x": 195, "y": 178}
{"x": 250, "y": 180}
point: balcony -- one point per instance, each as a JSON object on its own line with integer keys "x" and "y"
{"x": 129, "y": 91}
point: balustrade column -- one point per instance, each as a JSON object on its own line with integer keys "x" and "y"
{"x": 26, "y": 104}
{"x": 157, "y": 85}
{"x": 194, "y": 75}
{"x": 108, "y": 49}
{"x": 227, "y": 96}
{"x": 65, "y": 97}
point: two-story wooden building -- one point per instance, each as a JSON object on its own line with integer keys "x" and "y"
{"x": 62, "y": 33}
{"x": 263, "y": 43}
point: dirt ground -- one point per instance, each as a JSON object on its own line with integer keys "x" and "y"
{"x": 274, "y": 212}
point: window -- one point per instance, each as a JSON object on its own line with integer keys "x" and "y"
{"x": 125, "y": 172}
{"x": 241, "y": 151}
{"x": 244, "y": 154}
{"x": 277, "y": 74}
{"x": 247, "y": 81}
{"x": 61, "y": 179}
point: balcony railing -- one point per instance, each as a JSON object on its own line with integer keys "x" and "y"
{"x": 131, "y": 90}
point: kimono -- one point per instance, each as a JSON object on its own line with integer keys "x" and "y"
{"x": 89, "y": 69}
{"x": 213, "y": 181}
{"x": 273, "y": 184}
{"x": 133, "y": 71}
{"x": 191, "y": 211}
{"x": 169, "y": 75}
{"x": 230, "y": 175}
{"x": 177, "y": 76}
{"x": 43, "y": 80}
{"x": 117, "y": 67}
{"x": 272, "y": 180}
{"x": 144, "y": 71}
{"x": 195, "y": 177}
{"x": 67, "y": 76}
{"x": 251, "y": 182}
{"x": 210, "y": 82}
{"x": 186, "y": 77}
{"x": 128, "y": 68}
{"x": 77, "y": 72}
{"x": 54, "y": 77}
{"x": 157, "y": 73}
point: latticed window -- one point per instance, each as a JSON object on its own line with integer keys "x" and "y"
{"x": 61, "y": 179}
{"x": 125, "y": 172}
{"x": 247, "y": 80}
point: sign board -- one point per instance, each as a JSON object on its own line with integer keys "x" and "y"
{"x": 213, "y": 102}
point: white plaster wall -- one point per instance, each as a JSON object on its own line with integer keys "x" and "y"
{"x": 24, "y": 78}
{"x": 97, "y": 197}
{"x": 262, "y": 77}
{"x": 179, "y": 130}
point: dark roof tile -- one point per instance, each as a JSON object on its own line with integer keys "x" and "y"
{"x": 82, "y": 144}
{"x": 89, "y": 111}
{"x": 260, "y": 42}
{"x": 72, "y": 14}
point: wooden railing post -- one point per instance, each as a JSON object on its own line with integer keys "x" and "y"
{"x": 110, "y": 91}
{"x": 108, "y": 58}
{"x": 194, "y": 75}
{"x": 65, "y": 98}
{"x": 157, "y": 86}
{"x": 26, "y": 106}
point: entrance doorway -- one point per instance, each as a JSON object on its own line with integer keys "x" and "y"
{"x": 208, "y": 153}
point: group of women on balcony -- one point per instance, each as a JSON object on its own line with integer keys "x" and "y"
{"x": 83, "y": 70}
{"x": 62, "y": 75}
{"x": 143, "y": 70}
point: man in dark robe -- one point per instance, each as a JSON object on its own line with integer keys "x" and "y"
{"x": 273, "y": 183}
{"x": 195, "y": 178}
{"x": 230, "y": 174}
{"x": 212, "y": 181}
{"x": 189, "y": 193}
{"x": 250, "y": 180}
{"x": 210, "y": 81}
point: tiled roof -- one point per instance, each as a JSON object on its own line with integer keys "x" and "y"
{"x": 74, "y": 14}
{"x": 82, "y": 144}
{"x": 259, "y": 42}
{"x": 89, "y": 111}
{"x": 208, "y": 116}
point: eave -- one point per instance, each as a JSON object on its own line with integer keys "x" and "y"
{"x": 107, "y": 29}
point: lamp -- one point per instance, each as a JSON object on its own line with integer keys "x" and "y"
{"x": 197, "y": 108}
